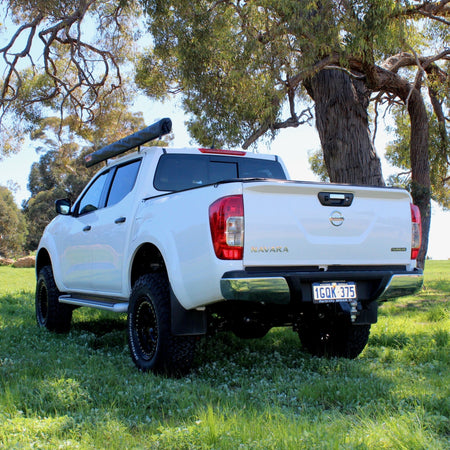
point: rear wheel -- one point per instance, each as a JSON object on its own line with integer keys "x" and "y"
{"x": 339, "y": 339}
{"x": 151, "y": 342}
{"x": 50, "y": 313}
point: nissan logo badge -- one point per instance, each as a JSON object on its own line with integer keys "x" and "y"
{"x": 336, "y": 218}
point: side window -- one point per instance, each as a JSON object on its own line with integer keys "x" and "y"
{"x": 123, "y": 182}
{"x": 91, "y": 199}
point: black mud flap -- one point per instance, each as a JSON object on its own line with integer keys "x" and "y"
{"x": 186, "y": 322}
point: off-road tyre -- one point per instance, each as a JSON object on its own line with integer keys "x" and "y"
{"x": 152, "y": 345}
{"x": 50, "y": 313}
{"x": 334, "y": 340}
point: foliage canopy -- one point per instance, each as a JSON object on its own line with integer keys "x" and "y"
{"x": 64, "y": 56}
{"x": 13, "y": 228}
{"x": 240, "y": 65}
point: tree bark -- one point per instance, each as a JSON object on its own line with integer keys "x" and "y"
{"x": 420, "y": 166}
{"x": 342, "y": 122}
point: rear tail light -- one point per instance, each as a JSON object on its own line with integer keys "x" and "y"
{"x": 416, "y": 235}
{"x": 226, "y": 220}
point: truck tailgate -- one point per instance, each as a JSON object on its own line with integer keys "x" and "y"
{"x": 286, "y": 224}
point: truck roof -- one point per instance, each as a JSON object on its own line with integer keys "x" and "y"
{"x": 190, "y": 151}
{"x": 157, "y": 130}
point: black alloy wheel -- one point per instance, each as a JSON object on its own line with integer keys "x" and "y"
{"x": 50, "y": 313}
{"x": 152, "y": 345}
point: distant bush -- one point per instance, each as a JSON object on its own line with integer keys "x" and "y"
{"x": 6, "y": 261}
{"x": 13, "y": 227}
{"x": 26, "y": 262}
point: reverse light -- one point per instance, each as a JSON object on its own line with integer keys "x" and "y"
{"x": 416, "y": 236}
{"x": 226, "y": 220}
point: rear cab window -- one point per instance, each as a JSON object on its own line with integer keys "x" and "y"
{"x": 177, "y": 172}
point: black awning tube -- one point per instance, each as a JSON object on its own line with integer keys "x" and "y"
{"x": 158, "y": 129}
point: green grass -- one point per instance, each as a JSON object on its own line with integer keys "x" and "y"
{"x": 81, "y": 390}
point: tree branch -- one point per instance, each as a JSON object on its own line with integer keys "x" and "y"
{"x": 292, "y": 122}
{"x": 386, "y": 80}
{"x": 433, "y": 10}
{"x": 12, "y": 64}
{"x": 404, "y": 59}
{"x": 88, "y": 68}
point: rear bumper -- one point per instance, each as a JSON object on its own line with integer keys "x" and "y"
{"x": 283, "y": 287}
{"x": 259, "y": 289}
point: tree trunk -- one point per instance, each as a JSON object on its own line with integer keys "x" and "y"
{"x": 342, "y": 122}
{"x": 418, "y": 148}
{"x": 420, "y": 166}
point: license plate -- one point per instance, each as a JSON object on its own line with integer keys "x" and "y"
{"x": 334, "y": 292}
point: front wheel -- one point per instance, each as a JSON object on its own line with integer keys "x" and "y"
{"x": 338, "y": 339}
{"x": 151, "y": 342}
{"x": 50, "y": 313}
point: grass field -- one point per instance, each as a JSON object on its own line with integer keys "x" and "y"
{"x": 82, "y": 390}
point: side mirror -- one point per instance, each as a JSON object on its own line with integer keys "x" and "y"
{"x": 62, "y": 206}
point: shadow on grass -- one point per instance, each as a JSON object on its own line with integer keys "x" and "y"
{"x": 429, "y": 304}
{"x": 105, "y": 333}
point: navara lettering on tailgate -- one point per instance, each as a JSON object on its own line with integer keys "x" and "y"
{"x": 269, "y": 249}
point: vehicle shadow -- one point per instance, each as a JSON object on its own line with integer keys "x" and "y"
{"x": 102, "y": 333}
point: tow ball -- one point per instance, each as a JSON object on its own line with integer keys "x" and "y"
{"x": 353, "y": 310}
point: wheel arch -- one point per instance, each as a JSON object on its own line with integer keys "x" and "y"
{"x": 149, "y": 259}
{"x": 42, "y": 259}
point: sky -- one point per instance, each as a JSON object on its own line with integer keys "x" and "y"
{"x": 292, "y": 145}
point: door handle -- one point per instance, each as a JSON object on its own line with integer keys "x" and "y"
{"x": 120, "y": 220}
{"x": 87, "y": 228}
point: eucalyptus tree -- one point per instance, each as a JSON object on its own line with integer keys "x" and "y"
{"x": 246, "y": 68}
{"x": 397, "y": 153}
{"x": 61, "y": 56}
{"x": 13, "y": 228}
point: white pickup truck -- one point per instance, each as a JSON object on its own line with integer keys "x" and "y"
{"x": 189, "y": 241}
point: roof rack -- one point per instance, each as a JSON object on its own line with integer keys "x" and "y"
{"x": 158, "y": 129}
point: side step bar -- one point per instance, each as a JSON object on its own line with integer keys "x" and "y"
{"x": 119, "y": 307}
